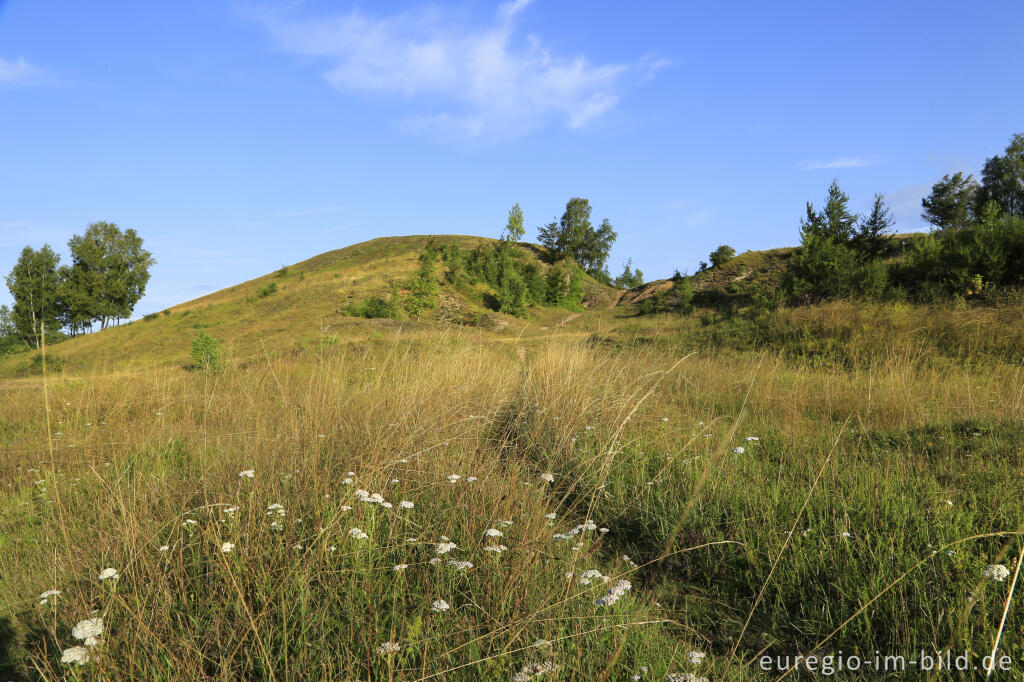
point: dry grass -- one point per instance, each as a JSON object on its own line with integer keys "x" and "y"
{"x": 637, "y": 440}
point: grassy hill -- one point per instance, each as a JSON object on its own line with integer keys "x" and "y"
{"x": 296, "y": 308}
{"x": 420, "y": 500}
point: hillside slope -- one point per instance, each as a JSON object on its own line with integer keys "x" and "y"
{"x": 304, "y": 310}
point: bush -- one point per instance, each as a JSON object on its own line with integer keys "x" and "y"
{"x": 263, "y": 292}
{"x": 722, "y": 255}
{"x": 150, "y": 317}
{"x": 206, "y": 352}
{"x": 54, "y": 363}
{"x": 374, "y": 307}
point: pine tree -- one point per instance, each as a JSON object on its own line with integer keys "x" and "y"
{"x": 874, "y": 230}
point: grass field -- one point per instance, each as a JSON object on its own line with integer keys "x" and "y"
{"x": 827, "y": 479}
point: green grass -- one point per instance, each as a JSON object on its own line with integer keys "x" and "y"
{"x": 889, "y": 443}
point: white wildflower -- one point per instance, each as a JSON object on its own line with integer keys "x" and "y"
{"x": 231, "y": 510}
{"x": 493, "y": 533}
{"x": 996, "y": 572}
{"x": 695, "y": 657}
{"x": 436, "y": 560}
{"x": 276, "y": 525}
{"x": 76, "y": 654}
{"x": 470, "y": 479}
{"x": 108, "y": 574}
{"x": 439, "y": 605}
{"x": 552, "y": 516}
{"x": 400, "y": 567}
{"x": 496, "y": 548}
{"x": 739, "y": 450}
{"x": 345, "y": 507}
{"x": 248, "y": 473}
{"x": 90, "y": 627}
{"x": 358, "y": 534}
{"x": 410, "y": 540}
{"x": 547, "y": 477}
{"x": 460, "y": 565}
{"x": 388, "y": 648}
{"x": 164, "y": 548}
{"x": 751, "y": 439}
{"x": 189, "y": 523}
{"x": 454, "y": 478}
{"x": 444, "y": 547}
{"x": 50, "y": 593}
{"x": 406, "y": 504}
{"x": 227, "y": 547}
{"x": 346, "y": 481}
{"x": 617, "y": 590}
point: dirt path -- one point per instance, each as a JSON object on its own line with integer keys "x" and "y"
{"x": 618, "y": 297}
{"x": 568, "y": 318}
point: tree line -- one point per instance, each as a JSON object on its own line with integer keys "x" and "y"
{"x": 573, "y": 248}
{"x": 976, "y": 244}
{"x": 107, "y": 276}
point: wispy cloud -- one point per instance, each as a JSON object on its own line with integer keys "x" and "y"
{"x": 478, "y": 79}
{"x": 840, "y": 162}
{"x": 19, "y": 72}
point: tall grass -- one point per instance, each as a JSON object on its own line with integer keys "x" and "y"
{"x": 639, "y": 442}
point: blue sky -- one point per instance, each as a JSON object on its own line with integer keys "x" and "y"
{"x": 238, "y": 136}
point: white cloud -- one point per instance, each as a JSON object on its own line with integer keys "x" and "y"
{"x": 487, "y": 79}
{"x": 21, "y": 72}
{"x": 840, "y": 162}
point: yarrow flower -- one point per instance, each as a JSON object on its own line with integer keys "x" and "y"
{"x": 388, "y": 648}
{"x": 493, "y": 533}
{"x": 470, "y": 479}
{"x": 444, "y": 547}
{"x": 460, "y": 565}
{"x": 751, "y": 439}
{"x": 454, "y": 478}
{"x": 276, "y": 508}
{"x": 552, "y": 516}
{"x": 439, "y": 605}
{"x": 615, "y": 593}
{"x": 108, "y": 574}
{"x": 76, "y": 654}
{"x": 406, "y": 504}
{"x": 358, "y": 534}
{"x": 88, "y": 630}
{"x": 695, "y": 657}
{"x": 739, "y": 450}
{"x": 164, "y": 548}
{"x": 531, "y": 670}
{"x": 547, "y": 477}
{"x": 996, "y": 572}
{"x": 248, "y": 473}
{"x": 189, "y": 523}
{"x": 495, "y": 548}
{"x": 227, "y": 547}
{"x": 400, "y": 567}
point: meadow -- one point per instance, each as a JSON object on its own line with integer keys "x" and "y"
{"x": 456, "y": 503}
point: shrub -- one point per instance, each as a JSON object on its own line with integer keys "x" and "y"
{"x": 263, "y": 292}
{"x": 206, "y": 352}
{"x": 722, "y": 255}
{"x": 150, "y": 317}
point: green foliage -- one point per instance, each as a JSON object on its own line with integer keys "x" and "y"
{"x": 1002, "y": 180}
{"x": 33, "y": 283}
{"x": 629, "y": 279}
{"x": 835, "y": 222}
{"x": 9, "y": 341}
{"x": 514, "y": 229}
{"x": 574, "y": 237}
{"x": 873, "y": 231}
{"x": 150, "y": 317}
{"x": 206, "y": 352}
{"x": 424, "y": 290}
{"x": 108, "y": 274}
{"x": 722, "y": 255}
{"x": 950, "y": 206}
{"x": 822, "y": 268}
{"x": 963, "y": 261}
{"x": 512, "y": 294}
{"x": 283, "y": 272}
{"x": 268, "y": 290}
{"x": 54, "y": 363}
